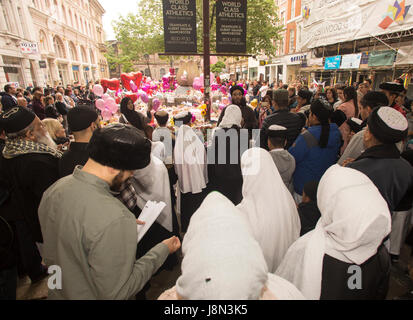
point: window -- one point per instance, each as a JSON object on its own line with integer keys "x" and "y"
{"x": 282, "y": 19}
{"x": 292, "y": 14}
{"x": 92, "y": 57}
{"x": 64, "y": 14}
{"x": 84, "y": 59}
{"x": 6, "y": 17}
{"x": 72, "y": 51}
{"x": 292, "y": 36}
{"x": 59, "y": 47}
{"x": 43, "y": 42}
{"x": 281, "y": 47}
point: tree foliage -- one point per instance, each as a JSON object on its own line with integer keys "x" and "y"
{"x": 218, "y": 67}
{"x": 143, "y": 32}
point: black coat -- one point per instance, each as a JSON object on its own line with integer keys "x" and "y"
{"x": 28, "y": 177}
{"x": 309, "y": 216}
{"x": 390, "y": 173}
{"x": 375, "y": 277}
{"x": 250, "y": 121}
{"x": 61, "y": 108}
{"x": 223, "y": 176}
{"x": 77, "y": 155}
{"x": 293, "y": 122}
{"x": 8, "y": 102}
{"x": 51, "y": 112}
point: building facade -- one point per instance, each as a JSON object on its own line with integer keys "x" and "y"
{"x": 51, "y": 42}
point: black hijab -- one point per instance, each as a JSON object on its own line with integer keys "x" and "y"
{"x": 132, "y": 116}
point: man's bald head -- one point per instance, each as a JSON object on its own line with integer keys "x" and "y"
{"x": 22, "y": 102}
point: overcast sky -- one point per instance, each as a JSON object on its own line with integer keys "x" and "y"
{"x": 113, "y": 9}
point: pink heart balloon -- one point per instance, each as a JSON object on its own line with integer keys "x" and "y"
{"x": 98, "y": 90}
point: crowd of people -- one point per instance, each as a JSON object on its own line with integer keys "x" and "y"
{"x": 279, "y": 202}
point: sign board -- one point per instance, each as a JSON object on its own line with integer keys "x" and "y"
{"x": 332, "y": 63}
{"x": 42, "y": 64}
{"x": 231, "y": 30}
{"x": 382, "y": 58}
{"x": 75, "y": 68}
{"x": 351, "y": 61}
{"x": 296, "y": 59}
{"x": 179, "y": 20}
{"x": 349, "y": 20}
{"x": 29, "y": 47}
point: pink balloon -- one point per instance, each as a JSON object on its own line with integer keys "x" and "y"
{"x": 144, "y": 98}
{"x": 98, "y": 90}
{"x": 156, "y": 104}
{"x": 105, "y": 97}
{"x": 100, "y": 104}
{"x": 106, "y": 115}
{"x": 221, "y": 106}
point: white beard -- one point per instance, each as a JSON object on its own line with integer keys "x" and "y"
{"x": 47, "y": 140}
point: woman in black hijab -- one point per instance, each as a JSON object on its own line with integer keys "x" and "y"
{"x": 134, "y": 118}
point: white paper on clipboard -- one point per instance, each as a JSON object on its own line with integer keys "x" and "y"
{"x": 149, "y": 214}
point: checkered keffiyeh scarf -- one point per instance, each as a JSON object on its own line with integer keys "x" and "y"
{"x": 19, "y": 147}
{"x": 127, "y": 195}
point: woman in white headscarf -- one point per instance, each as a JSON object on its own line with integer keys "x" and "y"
{"x": 344, "y": 257}
{"x": 268, "y": 206}
{"x": 222, "y": 261}
{"x": 191, "y": 168}
{"x": 224, "y": 155}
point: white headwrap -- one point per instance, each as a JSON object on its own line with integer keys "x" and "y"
{"x": 233, "y": 116}
{"x": 268, "y": 206}
{"x": 152, "y": 184}
{"x": 354, "y": 221}
{"x": 190, "y": 161}
{"x": 222, "y": 261}
{"x": 158, "y": 150}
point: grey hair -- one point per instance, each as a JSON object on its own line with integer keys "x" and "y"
{"x": 21, "y": 133}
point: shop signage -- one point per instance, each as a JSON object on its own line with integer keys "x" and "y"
{"x": 29, "y": 47}
{"x": 231, "y": 31}
{"x": 42, "y": 64}
{"x": 332, "y": 63}
{"x": 351, "y": 61}
{"x": 179, "y": 20}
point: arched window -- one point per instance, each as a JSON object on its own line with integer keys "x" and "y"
{"x": 59, "y": 47}
{"x": 73, "y": 53}
{"x": 82, "y": 50}
{"x": 64, "y": 14}
{"x": 71, "y": 18}
{"x": 77, "y": 22}
{"x": 44, "y": 46}
{"x": 92, "y": 57}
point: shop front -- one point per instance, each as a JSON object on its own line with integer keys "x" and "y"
{"x": 13, "y": 70}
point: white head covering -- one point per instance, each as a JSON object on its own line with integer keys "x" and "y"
{"x": 190, "y": 161}
{"x": 233, "y": 116}
{"x": 268, "y": 206}
{"x": 222, "y": 261}
{"x": 152, "y": 184}
{"x": 354, "y": 221}
{"x": 158, "y": 150}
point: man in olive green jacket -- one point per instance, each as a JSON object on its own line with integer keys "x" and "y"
{"x": 88, "y": 233}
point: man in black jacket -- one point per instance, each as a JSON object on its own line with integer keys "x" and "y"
{"x": 83, "y": 121}
{"x": 28, "y": 166}
{"x": 382, "y": 163}
{"x": 8, "y": 99}
{"x": 282, "y": 117}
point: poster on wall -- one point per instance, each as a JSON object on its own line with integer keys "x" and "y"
{"x": 332, "y": 63}
{"x": 351, "y": 61}
{"x": 179, "y": 20}
{"x": 29, "y": 47}
{"x": 231, "y": 28}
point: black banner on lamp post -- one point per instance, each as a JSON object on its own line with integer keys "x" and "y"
{"x": 179, "y": 20}
{"x": 232, "y": 26}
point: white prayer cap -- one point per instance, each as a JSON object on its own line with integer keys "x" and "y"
{"x": 275, "y": 127}
{"x": 277, "y": 131}
{"x": 388, "y": 125}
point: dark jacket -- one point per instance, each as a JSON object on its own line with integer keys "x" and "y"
{"x": 391, "y": 174}
{"x": 28, "y": 176}
{"x": 39, "y": 109}
{"x": 225, "y": 176}
{"x": 293, "y": 122}
{"x": 77, "y": 155}
{"x": 8, "y": 102}
{"x": 61, "y": 108}
{"x": 51, "y": 112}
{"x": 309, "y": 216}
{"x": 375, "y": 277}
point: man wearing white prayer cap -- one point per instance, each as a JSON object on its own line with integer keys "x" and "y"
{"x": 344, "y": 257}
{"x": 284, "y": 161}
{"x": 222, "y": 261}
{"x": 382, "y": 163}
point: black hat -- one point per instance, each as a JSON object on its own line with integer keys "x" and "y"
{"x": 355, "y": 124}
{"x": 121, "y": 147}
{"x": 388, "y": 125}
{"x": 322, "y": 110}
{"x": 310, "y": 189}
{"x": 80, "y": 118}
{"x": 392, "y": 87}
{"x": 338, "y": 117}
{"x": 16, "y": 119}
{"x": 235, "y": 88}
{"x": 305, "y": 94}
{"x": 276, "y": 131}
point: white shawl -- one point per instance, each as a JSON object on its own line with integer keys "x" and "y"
{"x": 233, "y": 116}
{"x": 152, "y": 184}
{"x": 354, "y": 221}
{"x": 222, "y": 261}
{"x": 268, "y": 206}
{"x": 190, "y": 161}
